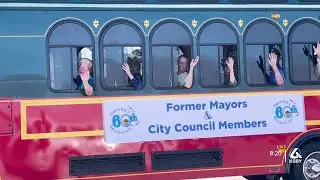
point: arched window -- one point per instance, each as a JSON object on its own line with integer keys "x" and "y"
{"x": 260, "y": 38}
{"x": 303, "y": 63}
{"x": 121, "y": 42}
{"x": 66, "y": 41}
{"x": 217, "y": 41}
{"x": 169, "y": 40}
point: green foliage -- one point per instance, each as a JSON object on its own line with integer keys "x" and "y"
{"x": 136, "y": 55}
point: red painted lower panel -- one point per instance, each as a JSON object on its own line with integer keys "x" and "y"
{"x": 312, "y": 104}
{"x": 64, "y": 118}
{"x": 5, "y": 117}
{"x": 49, "y": 158}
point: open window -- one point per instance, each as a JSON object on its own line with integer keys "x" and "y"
{"x": 169, "y": 40}
{"x": 260, "y": 38}
{"x": 217, "y": 41}
{"x": 121, "y": 42}
{"x": 66, "y": 42}
{"x": 303, "y": 63}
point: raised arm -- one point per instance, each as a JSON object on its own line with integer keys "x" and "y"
{"x": 189, "y": 79}
{"x": 317, "y": 60}
{"x": 316, "y": 68}
{"x": 88, "y": 88}
{"x": 230, "y": 63}
{"x": 135, "y": 80}
{"x": 262, "y": 69}
{"x": 277, "y": 72}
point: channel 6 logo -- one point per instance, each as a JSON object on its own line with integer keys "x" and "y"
{"x": 123, "y": 120}
{"x": 285, "y": 111}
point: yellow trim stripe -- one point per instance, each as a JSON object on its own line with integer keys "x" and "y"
{"x": 99, "y": 100}
{"x": 313, "y": 122}
{"x": 64, "y": 134}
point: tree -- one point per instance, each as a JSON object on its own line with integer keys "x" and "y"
{"x": 136, "y": 55}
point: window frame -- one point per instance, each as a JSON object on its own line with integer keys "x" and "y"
{"x": 48, "y": 47}
{"x": 245, "y": 55}
{"x": 290, "y": 36}
{"x": 101, "y": 53}
{"x": 219, "y": 45}
{"x": 154, "y": 29}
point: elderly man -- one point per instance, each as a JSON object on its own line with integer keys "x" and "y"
{"x": 84, "y": 81}
{"x": 185, "y": 71}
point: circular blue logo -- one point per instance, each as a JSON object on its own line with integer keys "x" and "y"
{"x": 123, "y": 120}
{"x": 285, "y": 111}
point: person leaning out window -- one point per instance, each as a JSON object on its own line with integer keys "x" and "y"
{"x": 229, "y": 69}
{"x": 185, "y": 71}
{"x": 84, "y": 81}
{"x": 132, "y": 69}
{"x": 315, "y": 58}
{"x": 276, "y": 75}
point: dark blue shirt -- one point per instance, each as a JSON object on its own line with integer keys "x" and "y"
{"x": 80, "y": 86}
{"x": 272, "y": 78}
{"x": 136, "y": 82}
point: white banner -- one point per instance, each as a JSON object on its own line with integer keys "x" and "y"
{"x": 203, "y": 117}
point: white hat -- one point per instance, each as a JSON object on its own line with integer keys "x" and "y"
{"x": 85, "y": 53}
